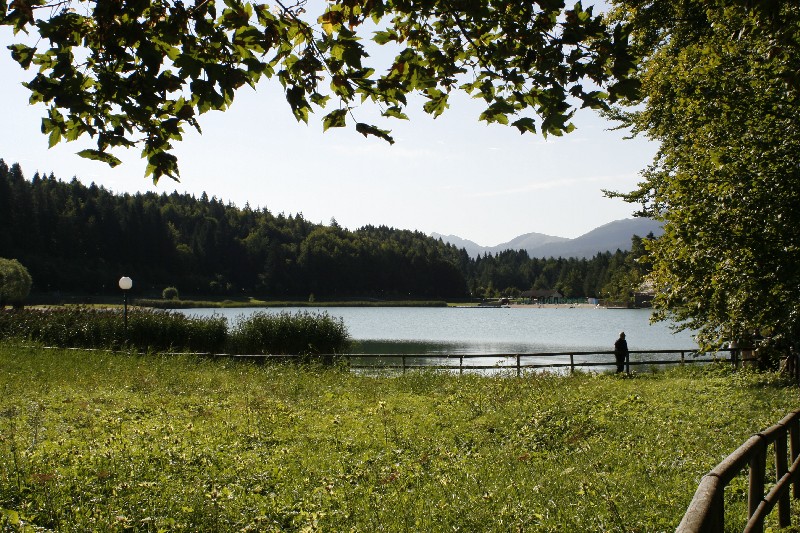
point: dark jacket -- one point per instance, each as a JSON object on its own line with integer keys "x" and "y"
{"x": 621, "y": 347}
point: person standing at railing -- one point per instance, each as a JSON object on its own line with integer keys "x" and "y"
{"x": 621, "y": 352}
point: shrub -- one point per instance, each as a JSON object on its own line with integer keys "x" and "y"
{"x": 15, "y": 282}
{"x": 100, "y": 328}
{"x": 148, "y": 329}
{"x": 285, "y": 333}
{"x": 161, "y": 330}
{"x": 170, "y": 293}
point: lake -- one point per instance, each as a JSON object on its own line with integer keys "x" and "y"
{"x": 454, "y": 330}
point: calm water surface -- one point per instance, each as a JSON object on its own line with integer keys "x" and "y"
{"x": 397, "y": 330}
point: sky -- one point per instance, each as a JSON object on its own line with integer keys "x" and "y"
{"x": 453, "y": 175}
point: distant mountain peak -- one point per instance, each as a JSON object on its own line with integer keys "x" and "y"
{"x": 609, "y": 237}
{"x": 456, "y": 241}
{"x": 531, "y": 240}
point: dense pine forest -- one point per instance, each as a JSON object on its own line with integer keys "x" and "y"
{"x": 75, "y": 238}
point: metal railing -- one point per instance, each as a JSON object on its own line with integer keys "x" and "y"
{"x": 706, "y": 512}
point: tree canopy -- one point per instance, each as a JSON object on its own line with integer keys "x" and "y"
{"x": 137, "y": 72}
{"x": 720, "y": 88}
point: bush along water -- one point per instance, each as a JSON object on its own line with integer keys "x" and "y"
{"x": 147, "y": 329}
{"x": 84, "y": 327}
{"x": 285, "y": 333}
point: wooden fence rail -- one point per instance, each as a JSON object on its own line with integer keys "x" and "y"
{"x": 519, "y": 362}
{"x": 706, "y": 512}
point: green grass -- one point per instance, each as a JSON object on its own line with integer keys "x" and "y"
{"x": 94, "y": 441}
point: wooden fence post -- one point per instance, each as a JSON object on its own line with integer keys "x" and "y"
{"x": 706, "y": 512}
{"x": 794, "y": 451}
{"x": 717, "y": 516}
{"x": 403, "y": 359}
{"x": 460, "y": 365}
{"x": 683, "y": 358}
{"x": 781, "y": 467}
{"x": 571, "y": 363}
{"x": 519, "y": 367}
{"x": 758, "y": 467}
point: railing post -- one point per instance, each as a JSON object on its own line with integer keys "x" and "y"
{"x": 571, "y": 363}
{"x": 460, "y": 365}
{"x": 716, "y": 519}
{"x": 403, "y": 359}
{"x": 758, "y": 469}
{"x": 781, "y": 467}
{"x": 519, "y": 366}
{"x": 794, "y": 451}
{"x": 706, "y": 512}
{"x": 683, "y": 358}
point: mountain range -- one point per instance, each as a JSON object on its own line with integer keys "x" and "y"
{"x": 608, "y": 237}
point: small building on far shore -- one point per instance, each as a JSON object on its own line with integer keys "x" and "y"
{"x": 542, "y": 296}
{"x": 644, "y": 295}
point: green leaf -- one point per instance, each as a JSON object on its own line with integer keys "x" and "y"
{"x": 525, "y": 124}
{"x": 352, "y": 55}
{"x": 437, "y": 102}
{"x": 97, "y": 155}
{"x": 161, "y": 163}
{"x": 335, "y": 119}
{"x": 54, "y": 138}
{"x": 366, "y": 130}
{"x": 383, "y": 37}
{"x": 319, "y": 99}
{"x": 22, "y": 54}
{"x": 395, "y": 112}
{"x": 296, "y": 98}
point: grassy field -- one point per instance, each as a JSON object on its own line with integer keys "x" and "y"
{"x": 93, "y": 441}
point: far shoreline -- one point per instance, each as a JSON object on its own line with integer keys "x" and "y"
{"x": 558, "y": 306}
{"x": 157, "y": 303}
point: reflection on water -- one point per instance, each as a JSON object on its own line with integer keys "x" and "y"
{"x": 410, "y": 347}
{"x": 492, "y": 354}
{"x": 464, "y": 357}
{"x": 371, "y": 357}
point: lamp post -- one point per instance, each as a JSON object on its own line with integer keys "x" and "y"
{"x": 125, "y": 283}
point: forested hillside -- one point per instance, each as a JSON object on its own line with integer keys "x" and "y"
{"x": 78, "y": 238}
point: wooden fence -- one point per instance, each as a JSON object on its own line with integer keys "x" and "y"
{"x": 706, "y": 512}
{"x": 512, "y": 362}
